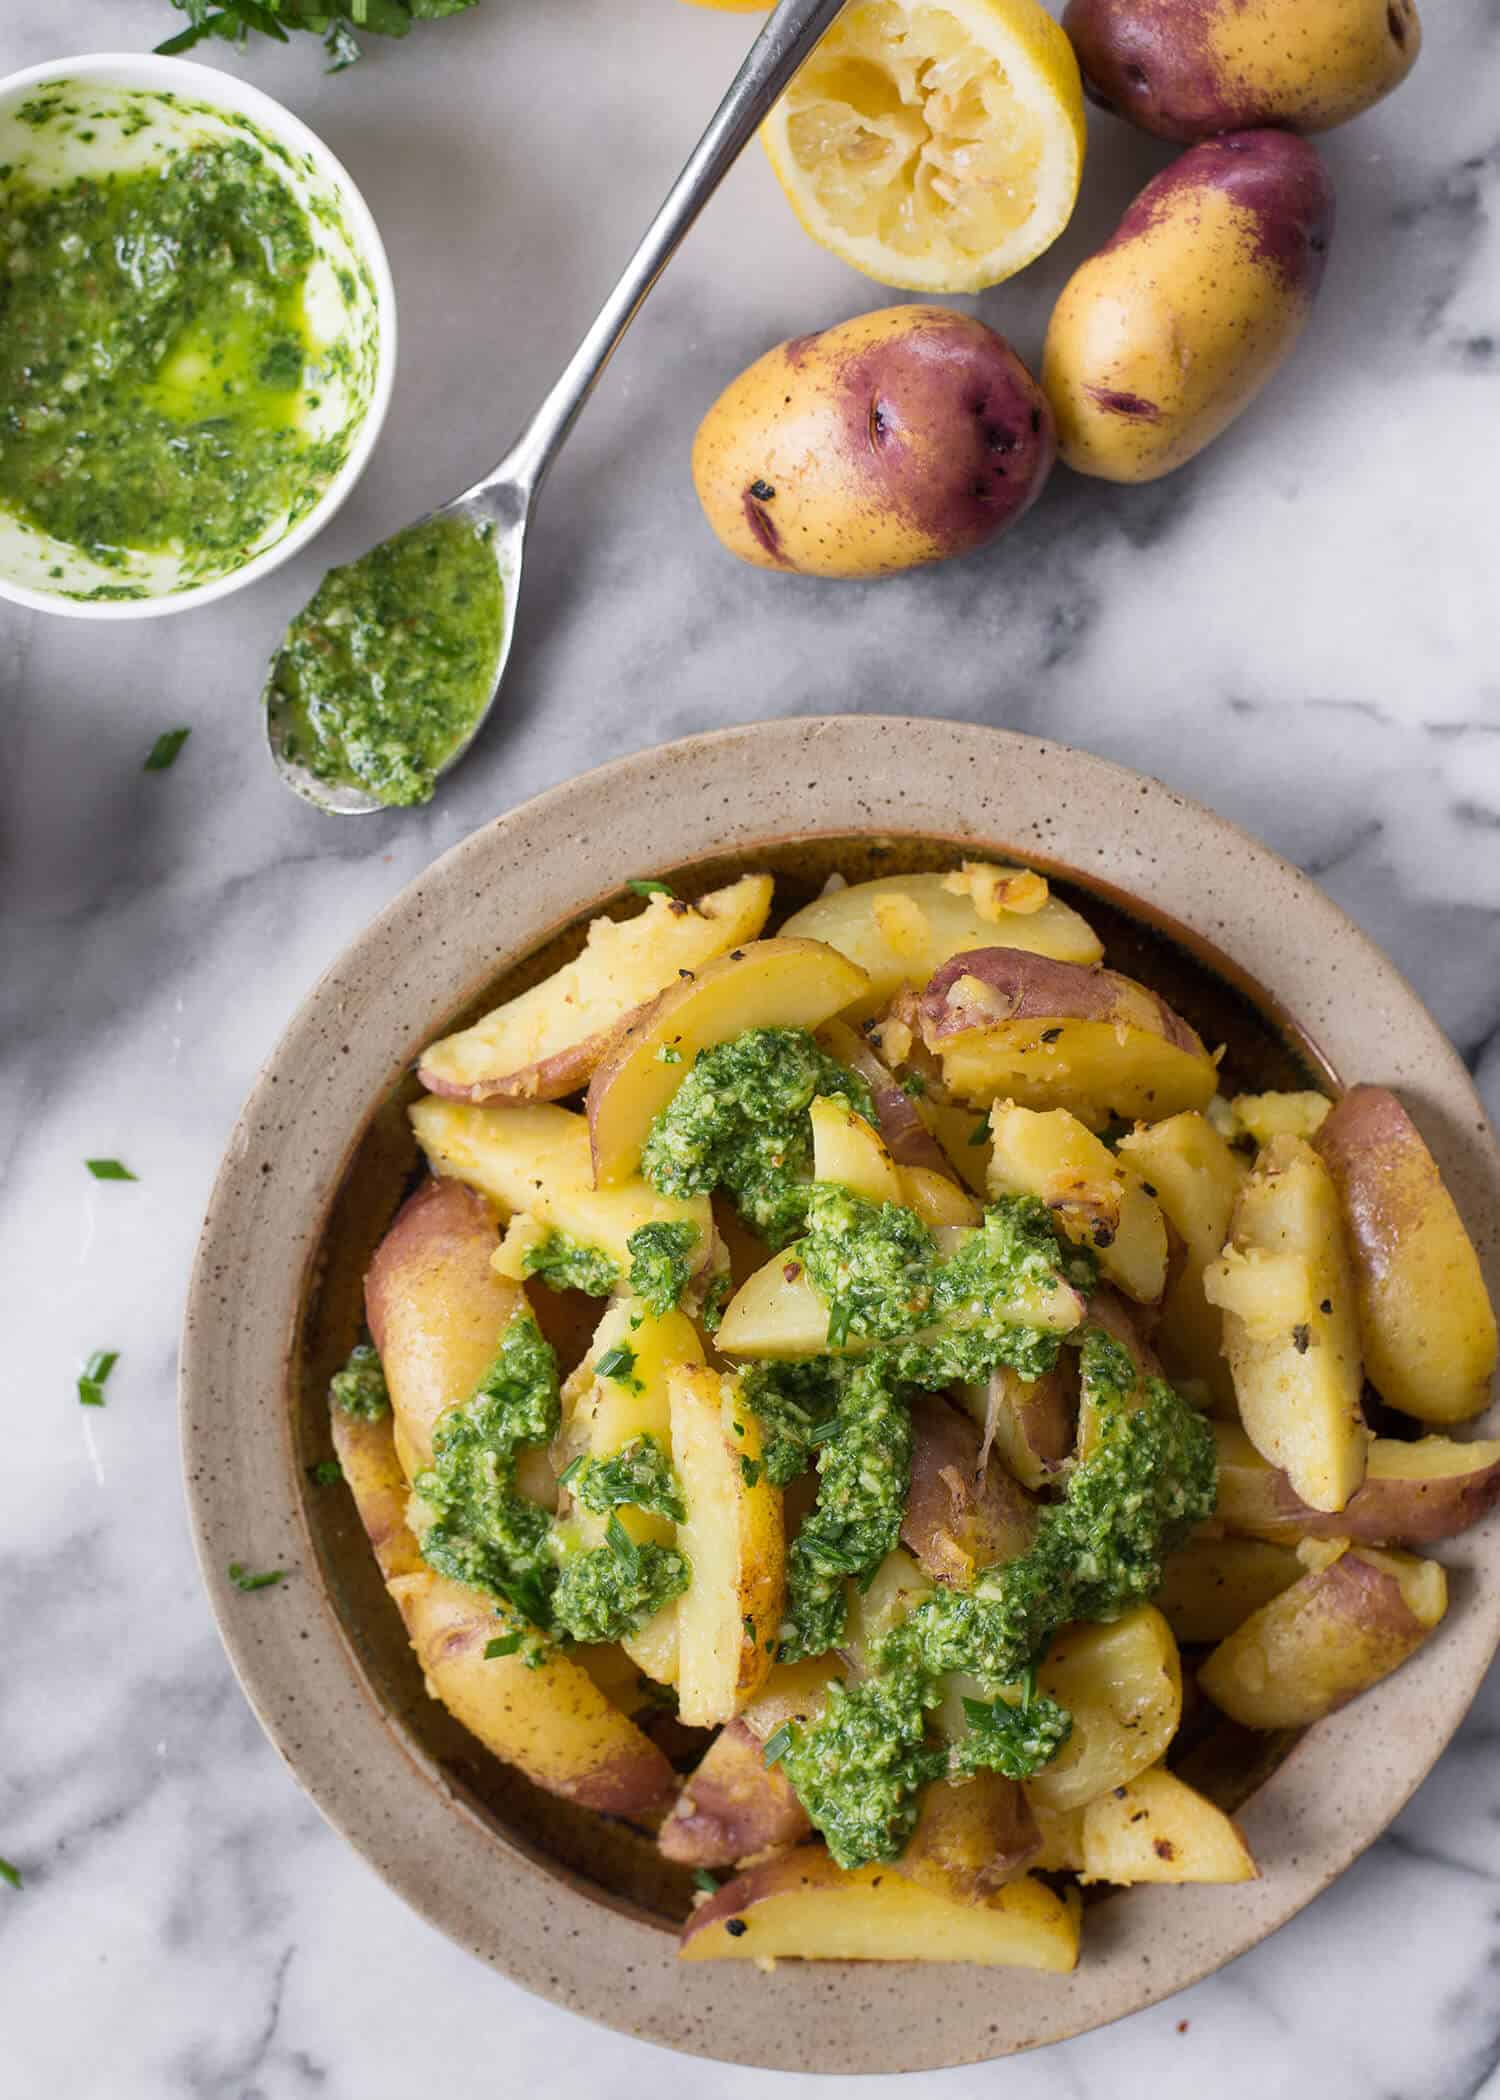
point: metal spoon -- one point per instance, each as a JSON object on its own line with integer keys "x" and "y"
{"x": 505, "y": 498}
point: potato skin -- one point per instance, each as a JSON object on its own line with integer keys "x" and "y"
{"x": 734, "y": 1804}
{"x": 1411, "y": 1495}
{"x": 1426, "y": 1321}
{"x": 959, "y": 1519}
{"x": 1190, "y": 69}
{"x": 897, "y": 438}
{"x": 1169, "y": 332}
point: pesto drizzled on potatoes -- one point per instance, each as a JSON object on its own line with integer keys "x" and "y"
{"x": 922, "y": 1239}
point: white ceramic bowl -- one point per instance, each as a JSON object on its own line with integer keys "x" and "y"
{"x": 195, "y": 102}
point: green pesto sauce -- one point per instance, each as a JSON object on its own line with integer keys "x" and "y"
{"x": 360, "y": 1388}
{"x": 155, "y": 360}
{"x": 639, "y": 1475}
{"x": 565, "y": 1264}
{"x": 385, "y": 674}
{"x": 661, "y": 1262}
{"x": 739, "y": 1122}
{"x": 609, "y": 1591}
{"x": 1151, "y": 1477}
{"x": 792, "y": 1402}
{"x": 484, "y": 1531}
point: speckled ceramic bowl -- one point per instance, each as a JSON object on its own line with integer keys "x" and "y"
{"x": 570, "y": 1906}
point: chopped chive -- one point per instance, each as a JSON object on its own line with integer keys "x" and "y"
{"x": 109, "y": 1170}
{"x": 616, "y": 1363}
{"x": 504, "y": 1644}
{"x": 822, "y": 1431}
{"x": 750, "y": 1470}
{"x": 979, "y": 1134}
{"x": 777, "y": 1745}
{"x": 165, "y": 749}
{"x": 622, "y": 1545}
{"x": 242, "y": 1579}
{"x": 571, "y": 1471}
{"x": 644, "y": 886}
{"x": 702, "y": 1879}
{"x": 13, "y": 1874}
{"x": 325, "y": 1472}
{"x": 91, "y": 1378}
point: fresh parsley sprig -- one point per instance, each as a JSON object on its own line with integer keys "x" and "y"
{"x": 335, "y": 21}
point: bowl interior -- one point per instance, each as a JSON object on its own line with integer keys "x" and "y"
{"x": 107, "y": 117}
{"x": 1263, "y": 1049}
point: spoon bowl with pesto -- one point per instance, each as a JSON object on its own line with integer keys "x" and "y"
{"x": 199, "y": 336}
{"x": 385, "y": 678}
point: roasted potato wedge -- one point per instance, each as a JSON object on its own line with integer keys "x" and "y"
{"x": 733, "y": 1804}
{"x": 436, "y": 1309}
{"x": 1098, "y": 1200}
{"x": 960, "y": 1516}
{"x": 1195, "y": 1176}
{"x": 1412, "y": 1494}
{"x": 1122, "y": 1683}
{"x": 970, "y": 1837}
{"x": 550, "y": 1719}
{"x": 851, "y": 1152}
{"x": 1425, "y": 1317}
{"x": 533, "y": 1158}
{"x": 1211, "y": 1586}
{"x": 1018, "y": 1027}
{"x": 779, "y": 983}
{"x": 907, "y": 1137}
{"x": 1286, "y": 1289}
{"x": 901, "y": 928}
{"x": 1333, "y": 1634}
{"x": 545, "y": 1042}
{"x": 802, "y": 1905}
{"x": 1260, "y": 1117}
{"x": 729, "y": 1616}
{"x": 1156, "y": 1828}
{"x": 1031, "y": 1422}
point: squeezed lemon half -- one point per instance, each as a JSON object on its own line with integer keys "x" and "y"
{"x": 937, "y": 148}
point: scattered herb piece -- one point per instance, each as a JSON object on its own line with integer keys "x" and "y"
{"x": 504, "y": 1644}
{"x": 163, "y": 752}
{"x": 777, "y": 1745}
{"x": 979, "y": 1135}
{"x": 94, "y": 1373}
{"x": 109, "y": 1170}
{"x": 571, "y": 1471}
{"x": 646, "y": 886}
{"x": 325, "y": 1473}
{"x": 360, "y": 1388}
{"x": 702, "y": 1879}
{"x": 622, "y": 1545}
{"x": 242, "y": 1579}
{"x": 617, "y": 1363}
{"x": 750, "y": 1469}
{"x": 232, "y": 21}
{"x": 11, "y": 1874}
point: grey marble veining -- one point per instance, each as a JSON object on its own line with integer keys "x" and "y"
{"x": 1302, "y": 629}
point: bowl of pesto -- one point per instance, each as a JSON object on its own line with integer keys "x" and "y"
{"x": 197, "y": 335}
{"x": 843, "y": 1453}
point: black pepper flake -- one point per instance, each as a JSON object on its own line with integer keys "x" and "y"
{"x": 1301, "y": 1338}
{"x": 736, "y": 955}
{"x": 1325, "y": 1305}
{"x": 1146, "y": 1185}
{"x": 686, "y": 976}
{"x": 1050, "y": 1035}
{"x": 1104, "y": 1236}
{"x": 762, "y": 491}
{"x": 736, "y": 1928}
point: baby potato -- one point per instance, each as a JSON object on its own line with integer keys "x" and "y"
{"x": 1190, "y": 69}
{"x": 897, "y": 438}
{"x": 1166, "y": 334}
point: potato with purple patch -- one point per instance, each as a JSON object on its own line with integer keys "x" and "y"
{"x": 1170, "y": 331}
{"x": 1192, "y": 69}
{"x": 897, "y": 438}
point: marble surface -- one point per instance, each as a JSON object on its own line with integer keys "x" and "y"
{"x": 1301, "y": 629}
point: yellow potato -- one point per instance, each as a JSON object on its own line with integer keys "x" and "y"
{"x": 1286, "y": 1289}
{"x": 1195, "y": 1177}
{"x": 1156, "y": 1828}
{"x": 901, "y": 928}
{"x": 729, "y": 1616}
{"x": 732, "y": 1804}
{"x": 1020, "y": 1027}
{"x": 1230, "y": 65}
{"x": 959, "y": 1519}
{"x": 1032, "y": 1422}
{"x": 970, "y": 1837}
{"x": 533, "y": 1157}
{"x": 1097, "y": 1199}
{"x": 803, "y": 1906}
{"x": 1425, "y": 1317}
{"x": 767, "y": 984}
{"x": 1264, "y": 1116}
{"x": 545, "y": 1042}
{"x": 1169, "y": 332}
{"x": 1211, "y": 1586}
{"x": 1122, "y": 1683}
{"x": 1332, "y": 1635}
{"x": 1412, "y": 1493}
{"x": 897, "y": 438}
{"x": 847, "y": 1150}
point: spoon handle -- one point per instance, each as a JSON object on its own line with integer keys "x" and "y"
{"x": 787, "y": 39}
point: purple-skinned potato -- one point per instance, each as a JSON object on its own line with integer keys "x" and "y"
{"x": 897, "y": 438}
{"x": 732, "y": 1805}
{"x": 1169, "y": 331}
{"x": 1191, "y": 69}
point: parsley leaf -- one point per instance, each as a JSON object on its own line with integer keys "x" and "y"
{"x": 242, "y": 1578}
{"x": 164, "y": 751}
{"x": 109, "y": 1170}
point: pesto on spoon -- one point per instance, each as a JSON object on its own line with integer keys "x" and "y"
{"x": 382, "y": 682}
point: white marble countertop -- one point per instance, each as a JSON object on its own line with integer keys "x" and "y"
{"x": 1302, "y": 629}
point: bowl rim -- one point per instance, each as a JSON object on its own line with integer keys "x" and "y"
{"x": 147, "y": 69}
{"x": 416, "y": 964}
